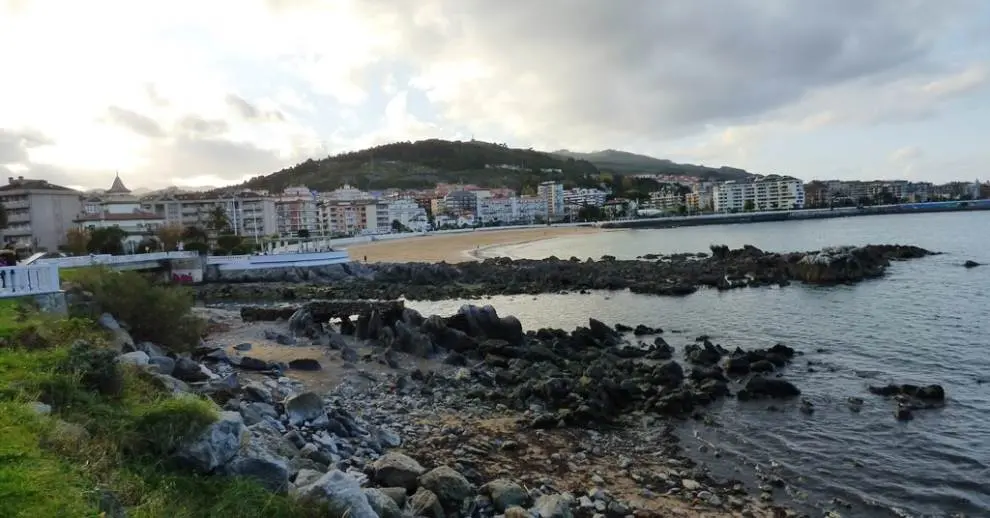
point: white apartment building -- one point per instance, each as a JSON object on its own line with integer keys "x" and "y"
{"x": 39, "y": 214}
{"x": 251, "y": 214}
{"x": 530, "y": 209}
{"x": 768, "y": 193}
{"x": 498, "y": 210}
{"x": 409, "y": 214}
{"x": 584, "y": 197}
{"x": 552, "y": 194}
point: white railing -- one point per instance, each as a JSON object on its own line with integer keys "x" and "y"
{"x": 17, "y": 281}
{"x": 93, "y": 260}
{"x": 223, "y": 259}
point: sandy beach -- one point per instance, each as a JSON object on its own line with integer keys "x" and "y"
{"x": 454, "y": 248}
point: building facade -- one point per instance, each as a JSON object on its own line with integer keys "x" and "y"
{"x": 296, "y": 210}
{"x": 584, "y": 197}
{"x": 121, "y": 209}
{"x": 409, "y": 214}
{"x": 767, "y": 193}
{"x": 251, "y": 214}
{"x": 552, "y": 194}
{"x": 39, "y": 214}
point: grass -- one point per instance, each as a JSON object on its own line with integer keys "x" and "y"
{"x": 111, "y": 432}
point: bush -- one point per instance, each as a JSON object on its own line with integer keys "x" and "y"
{"x": 161, "y": 426}
{"x": 95, "y": 367}
{"x": 156, "y": 313}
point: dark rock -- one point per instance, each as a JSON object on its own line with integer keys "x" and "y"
{"x": 396, "y": 470}
{"x": 450, "y": 487}
{"x": 251, "y": 363}
{"x": 189, "y": 371}
{"x": 242, "y": 347}
{"x": 304, "y": 407}
{"x": 768, "y": 387}
{"x": 305, "y": 364}
{"x": 971, "y": 264}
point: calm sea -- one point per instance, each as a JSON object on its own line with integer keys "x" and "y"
{"x": 927, "y": 321}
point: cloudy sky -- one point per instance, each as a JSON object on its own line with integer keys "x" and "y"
{"x": 213, "y": 91}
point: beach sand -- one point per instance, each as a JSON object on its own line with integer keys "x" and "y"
{"x": 454, "y": 248}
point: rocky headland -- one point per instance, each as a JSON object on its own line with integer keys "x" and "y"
{"x": 671, "y": 275}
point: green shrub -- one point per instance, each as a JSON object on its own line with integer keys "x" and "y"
{"x": 96, "y": 368}
{"x": 161, "y": 426}
{"x": 152, "y": 312}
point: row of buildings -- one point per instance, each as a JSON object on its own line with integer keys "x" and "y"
{"x": 40, "y": 214}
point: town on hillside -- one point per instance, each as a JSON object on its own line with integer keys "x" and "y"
{"x": 41, "y": 216}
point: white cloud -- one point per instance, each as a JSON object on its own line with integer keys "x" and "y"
{"x": 211, "y": 92}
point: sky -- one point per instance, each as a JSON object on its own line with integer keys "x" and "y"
{"x": 213, "y": 92}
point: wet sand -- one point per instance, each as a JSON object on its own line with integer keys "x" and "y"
{"x": 454, "y": 248}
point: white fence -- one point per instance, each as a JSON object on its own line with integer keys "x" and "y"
{"x": 17, "y": 281}
{"x": 105, "y": 259}
{"x": 258, "y": 262}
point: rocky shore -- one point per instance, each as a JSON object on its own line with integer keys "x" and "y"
{"x": 499, "y": 422}
{"x": 670, "y": 275}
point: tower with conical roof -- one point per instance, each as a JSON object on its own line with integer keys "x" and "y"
{"x": 118, "y": 186}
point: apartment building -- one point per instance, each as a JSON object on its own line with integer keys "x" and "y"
{"x": 351, "y": 217}
{"x": 531, "y": 209}
{"x": 667, "y": 200}
{"x": 552, "y": 194}
{"x": 39, "y": 214}
{"x": 584, "y": 197}
{"x": 701, "y": 198}
{"x": 408, "y": 213}
{"x": 767, "y": 193}
{"x": 296, "y": 210}
{"x": 250, "y": 214}
{"x": 498, "y": 210}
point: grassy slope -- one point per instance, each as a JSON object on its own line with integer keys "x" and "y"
{"x": 59, "y": 465}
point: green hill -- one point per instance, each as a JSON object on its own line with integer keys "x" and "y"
{"x": 425, "y": 163}
{"x": 623, "y": 162}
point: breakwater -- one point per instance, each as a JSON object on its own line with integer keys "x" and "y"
{"x": 785, "y": 215}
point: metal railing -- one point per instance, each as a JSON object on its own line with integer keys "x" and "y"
{"x": 17, "y": 281}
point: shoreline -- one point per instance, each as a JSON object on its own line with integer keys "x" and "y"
{"x": 492, "y": 439}
{"x": 796, "y": 215}
{"x": 455, "y": 248}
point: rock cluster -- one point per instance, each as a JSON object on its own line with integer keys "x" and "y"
{"x": 679, "y": 274}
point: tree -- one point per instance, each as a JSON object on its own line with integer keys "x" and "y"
{"x": 303, "y": 233}
{"x": 109, "y": 240}
{"x": 192, "y": 233}
{"x": 77, "y": 241}
{"x": 217, "y": 220}
{"x": 682, "y": 209}
{"x": 228, "y": 243}
{"x": 169, "y": 236}
{"x": 749, "y": 205}
{"x": 397, "y": 226}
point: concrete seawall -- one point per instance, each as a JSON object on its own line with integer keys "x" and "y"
{"x": 759, "y": 217}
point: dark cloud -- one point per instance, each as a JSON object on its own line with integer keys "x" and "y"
{"x": 198, "y": 126}
{"x": 587, "y": 67}
{"x": 248, "y": 111}
{"x": 140, "y": 124}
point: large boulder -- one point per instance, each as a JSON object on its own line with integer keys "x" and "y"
{"x": 505, "y": 494}
{"x": 425, "y": 503}
{"x": 341, "y": 493}
{"x": 383, "y": 504}
{"x": 216, "y": 445}
{"x": 450, "y": 487}
{"x": 120, "y": 339}
{"x": 304, "y": 407}
{"x": 554, "y": 506}
{"x": 264, "y": 466}
{"x": 395, "y": 469}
